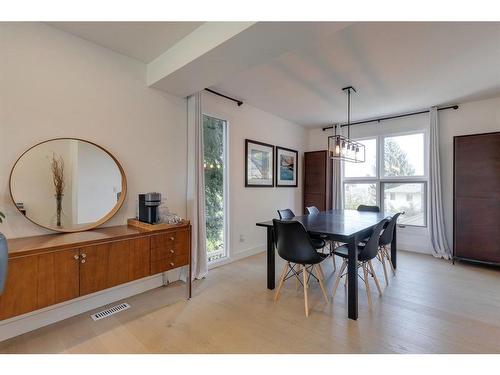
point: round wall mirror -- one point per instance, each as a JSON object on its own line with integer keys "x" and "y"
{"x": 68, "y": 185}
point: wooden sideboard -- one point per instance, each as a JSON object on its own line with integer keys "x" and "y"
{"x": 49, "y": 269}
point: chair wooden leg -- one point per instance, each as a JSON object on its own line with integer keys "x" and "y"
{"x": 321, "y": 278}
{"x": 375, "y": 277}
{"x": 282, "y": 280}
{"x": 339, "y": 275}
{"x": 367, "y": 285}
{"x": 382, "y": 260}
{"x": 304, "y": 276}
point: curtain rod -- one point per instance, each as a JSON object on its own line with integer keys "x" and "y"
{"x": 239, "y": 102}
{"x": 392, "y": 117}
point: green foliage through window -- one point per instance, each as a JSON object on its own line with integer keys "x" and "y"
{"x": 213, "y": 147}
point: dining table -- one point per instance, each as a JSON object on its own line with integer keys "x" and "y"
{"x": 345, "y": 226}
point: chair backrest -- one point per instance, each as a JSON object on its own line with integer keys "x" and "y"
{"x": 386, "y": 237}
{"x": 312, "y": 210}
{"x": 371, "y": 248}
{"x": 364, "y": 207}
{"x": 286, "y": 214}
{"x": 293, "y": 242}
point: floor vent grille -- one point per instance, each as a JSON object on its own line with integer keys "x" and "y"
{"x": 108, "y": 312}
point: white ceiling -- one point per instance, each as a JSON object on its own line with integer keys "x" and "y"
{"x": 142, "y": 41}
{"x": 395, "y": 67}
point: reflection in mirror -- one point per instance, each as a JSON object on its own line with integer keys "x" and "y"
{"x": 67, "y": 185}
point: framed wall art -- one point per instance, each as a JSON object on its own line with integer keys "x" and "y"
{"x": 259, "y": 162}
{"x": 287, "y": 167}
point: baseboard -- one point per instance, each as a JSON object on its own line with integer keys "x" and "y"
{"x": 414, "y": 247}
{"x": 237, "y": 256}
{"x": 28, "y": 322}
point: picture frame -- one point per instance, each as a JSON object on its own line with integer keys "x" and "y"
{"x": 287, "y": 167}
{"x": 259, "y": 164}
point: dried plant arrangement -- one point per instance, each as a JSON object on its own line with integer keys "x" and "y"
{"x": 57, "y": 166}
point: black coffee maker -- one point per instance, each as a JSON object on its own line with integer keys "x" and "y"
{"x": 148, "y": 207}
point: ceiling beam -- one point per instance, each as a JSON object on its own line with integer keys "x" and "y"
{"x": 217, "y": 50}
{"x": 180, "y": 57}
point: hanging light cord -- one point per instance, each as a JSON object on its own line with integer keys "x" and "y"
{"x": 349, "y": 113}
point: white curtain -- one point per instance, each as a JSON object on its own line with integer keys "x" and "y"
{"x": 437, "y": 228}
{"x": 196, "y": 187}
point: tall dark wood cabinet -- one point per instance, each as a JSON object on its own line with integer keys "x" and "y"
{"x": 318, "y": 169}
{"x": 476, "y": 205}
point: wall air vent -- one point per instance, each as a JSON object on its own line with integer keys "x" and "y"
{"x": 108, "y": 312}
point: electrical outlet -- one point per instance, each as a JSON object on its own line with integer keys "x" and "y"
{"x": 242, "y": 238}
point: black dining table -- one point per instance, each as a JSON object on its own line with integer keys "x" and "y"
{"x": 347, "y": 226}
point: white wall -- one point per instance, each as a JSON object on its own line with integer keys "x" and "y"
{"x": 250, "y": 205}
{"x": 53, "y": 84}
{"x": 473, "y": 117}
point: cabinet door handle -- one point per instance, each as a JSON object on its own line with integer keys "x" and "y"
{"x": 76, "y": 257}
{"x": 84, "y": 256}
{"x": 172, "y": 251}
{"x": 83, "y": 261}
{"x": 172, "y": 264}
{"x": 172, "y": 238}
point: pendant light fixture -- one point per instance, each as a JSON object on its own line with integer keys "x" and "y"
{"x": 344, "y": 148}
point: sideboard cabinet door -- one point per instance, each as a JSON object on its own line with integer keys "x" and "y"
{"x": 106, "y": 265}
{"x": 37, "y": 281}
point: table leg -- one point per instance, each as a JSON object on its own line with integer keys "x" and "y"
{"x": 270, "y": 259}
{"x": 352, "y": 275}
{"x": 394, "y": 248}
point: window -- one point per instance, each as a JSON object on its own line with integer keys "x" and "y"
{"x": 356, "y": 194}
{"x": 369, "y": 167}
{"x": 408, "y": 197}
{"x": 394, "y": 177}
{"x": 404, "y": 155}
{"x": 215, "y": 163}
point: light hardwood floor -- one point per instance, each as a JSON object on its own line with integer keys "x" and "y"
{"x": 431, "y": 306}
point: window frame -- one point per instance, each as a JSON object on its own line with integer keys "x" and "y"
{"x": 226, "y": 189}
{"x": 380, "y": 179}
{"x": 425, "y": 199}
{"x": 381, "y": 153}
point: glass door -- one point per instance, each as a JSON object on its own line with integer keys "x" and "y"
{"x": 215, "y": 164}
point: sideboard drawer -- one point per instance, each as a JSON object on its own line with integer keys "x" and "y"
{"x": 167, "y": 264}
{"x": 169, "y": 245}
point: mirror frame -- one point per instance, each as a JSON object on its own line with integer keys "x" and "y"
{"x": 102, "y": 220}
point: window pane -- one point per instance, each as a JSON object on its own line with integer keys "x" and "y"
{"x": 369, "y": 167}
{"x": 214, "y": 144}
{"x": 404, "y": 155}
{"x": 407, "y": 197}
{"x": 356, "y": 194}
